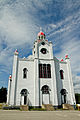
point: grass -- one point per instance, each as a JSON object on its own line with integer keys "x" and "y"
{"x": 37, "y": 109}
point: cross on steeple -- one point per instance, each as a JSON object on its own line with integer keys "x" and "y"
{"x": 40, "y": 29}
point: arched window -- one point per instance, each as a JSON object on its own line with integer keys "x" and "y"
{"x": 63, "y": 96}
{"x": 24, "y": 92}
{"x": 43, "y": 43}
{"x": 63, "y": 91}
{"x": 61, "y": 74}
{"x": 25, "y": 73}
{"x": 45, "y": 89}
{"x": 41, "y": 37}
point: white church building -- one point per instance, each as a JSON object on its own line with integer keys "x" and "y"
{"x": 40, "y": 78}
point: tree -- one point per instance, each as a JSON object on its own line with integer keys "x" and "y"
{"x": 77, "y": 96}
{"x": 3, "y": 95}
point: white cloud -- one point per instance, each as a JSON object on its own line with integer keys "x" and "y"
{"x": 66, "y": 39}
{"x": 16, "y": 32}
{"x": 72, "y": 49}
{"x": 76, "y": 83}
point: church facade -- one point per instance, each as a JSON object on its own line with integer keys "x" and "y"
{"x": 40, "y": 78}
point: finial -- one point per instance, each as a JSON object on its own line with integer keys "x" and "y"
{"x": 16, "y": 52}
{"x": 10, "y": 77}
{"x": 66, "y": 57}
{"x": 40, "y": 29}
{"x": 62, "y": 60}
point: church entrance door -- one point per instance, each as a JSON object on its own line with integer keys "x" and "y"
{"x": 45, "y": 98}
{"x": 63, "y": 96}
{"x": 25, "y": 100}
{"x": 45, "y": 95}
{"x": 23, "y": 97}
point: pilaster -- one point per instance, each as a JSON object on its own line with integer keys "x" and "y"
{"x": 54, "y": 84}
{"x": 9, "y": 90}
{"x": 37, "y": 83}
{"x": 70, "y": 80}
{"x": 36, "y": 50}
{"x": 14, "y": 79}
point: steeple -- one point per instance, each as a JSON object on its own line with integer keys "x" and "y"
{"x": 41, "y": 35}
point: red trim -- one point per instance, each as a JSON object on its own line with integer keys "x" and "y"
{"x": 66, "y": 56}
{"x": 62, "y": 60}
{"x": 41, "y": 33}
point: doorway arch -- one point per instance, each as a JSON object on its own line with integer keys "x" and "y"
{"x": 45, "y": 94}
{"x": 24, "y": 93}
{"x": 63, "y": 96}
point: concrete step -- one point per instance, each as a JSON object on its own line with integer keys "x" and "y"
{"x": 48, "y": 107}
{"x": 24, "y": 107}
{"x": 67, "y": 107}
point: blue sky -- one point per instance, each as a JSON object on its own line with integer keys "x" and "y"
{"x": 20, "y": 21}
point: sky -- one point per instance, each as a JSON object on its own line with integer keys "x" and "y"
{"x": 20, "y": 22}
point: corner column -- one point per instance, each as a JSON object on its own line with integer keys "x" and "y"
{"x": 9, "y": 90}
{"x": 72, "y": 96}
{"x": 36, "y": 79}
{"x": 14, "y": 79}
{"x": 54, "y": 85}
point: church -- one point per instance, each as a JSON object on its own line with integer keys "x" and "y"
{"x": 40, "y": 78}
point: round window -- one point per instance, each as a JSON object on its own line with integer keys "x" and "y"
{"x": 43, "y": 43}
{"x": 43, "y": 50}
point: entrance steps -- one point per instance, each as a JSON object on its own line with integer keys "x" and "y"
{"x": 67, "y": 107}
{"x": 24, "y": 107}
{"x": 48, "y": 107}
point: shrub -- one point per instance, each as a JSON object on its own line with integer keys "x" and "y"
{"x": 1, "y": 105}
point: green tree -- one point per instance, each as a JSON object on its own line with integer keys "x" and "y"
{"x": 77, "y": 96}
{"x": 3, "y": 95}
